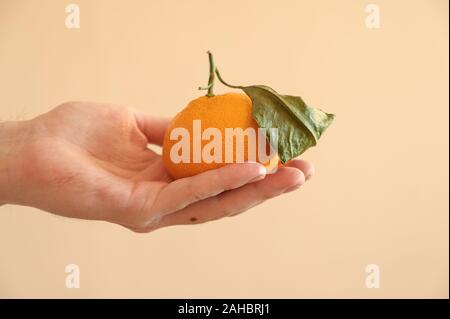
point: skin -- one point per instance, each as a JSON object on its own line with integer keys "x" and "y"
{"x": 92, "y": 161}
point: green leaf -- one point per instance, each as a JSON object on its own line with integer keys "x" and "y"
{"x": 299, "y": 126}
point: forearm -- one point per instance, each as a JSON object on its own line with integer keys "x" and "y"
{"x": 12, "y": 136}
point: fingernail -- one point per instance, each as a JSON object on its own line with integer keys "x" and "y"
{"x": 307, "y": 177}
{"x": 261, "y": 174}
{"x": 257, "y": 178}
{"x": 293, "y": 188}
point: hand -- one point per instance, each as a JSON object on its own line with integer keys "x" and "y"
{"x": 92, "y": 161}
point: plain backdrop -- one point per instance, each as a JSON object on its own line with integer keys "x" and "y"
{"x": 380, "y": 195}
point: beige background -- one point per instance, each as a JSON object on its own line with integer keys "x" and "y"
{"x": 380, "y": 194}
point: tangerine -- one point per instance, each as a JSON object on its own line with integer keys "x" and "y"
{"x": 224, "y": 113}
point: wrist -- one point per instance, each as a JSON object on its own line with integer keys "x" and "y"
{"x": 12, "y": 139}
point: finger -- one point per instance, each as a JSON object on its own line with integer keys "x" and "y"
{"x": 237, "y": 200}
{"x": 185, "y": 191}
{"x": 306, "y": 167}
{"x": 152, "y": 127}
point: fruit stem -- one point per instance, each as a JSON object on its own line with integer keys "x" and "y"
{"x": 225, "y": 83}
{"x": 212, "y": 70}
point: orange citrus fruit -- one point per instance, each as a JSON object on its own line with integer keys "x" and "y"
{"x": 222, "y": 112}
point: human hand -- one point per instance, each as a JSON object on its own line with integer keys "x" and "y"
{"x": 92, "y": 161}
